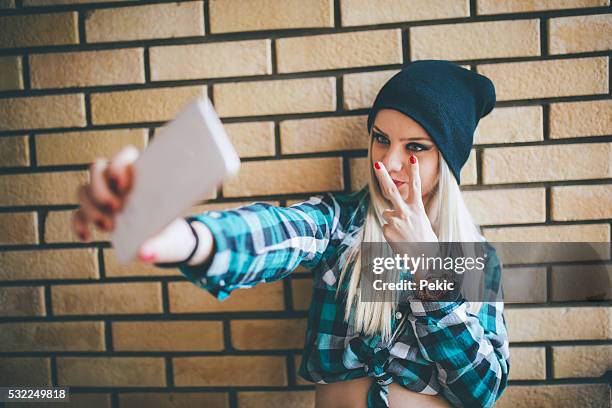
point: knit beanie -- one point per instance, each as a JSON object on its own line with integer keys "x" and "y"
{"x": 445, "y": 99}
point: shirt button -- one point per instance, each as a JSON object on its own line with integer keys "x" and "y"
{"x": 221, "y": 282}
{"x": 398, "y": 315}
{"x": 204, "y": 281}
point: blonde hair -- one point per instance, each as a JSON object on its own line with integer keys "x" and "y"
{"x": 450, "y": 220}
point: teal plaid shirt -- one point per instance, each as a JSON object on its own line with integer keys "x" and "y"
{"x": 439, "y": 347}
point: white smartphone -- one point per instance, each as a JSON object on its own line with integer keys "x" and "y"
{"x": 187, "y": 159}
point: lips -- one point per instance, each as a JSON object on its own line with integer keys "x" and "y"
{"x": 398, "y": 183}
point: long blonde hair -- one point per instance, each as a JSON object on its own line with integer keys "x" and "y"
{"x": 450, "y": 220}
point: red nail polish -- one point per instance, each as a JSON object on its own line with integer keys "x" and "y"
{"x": 377, "y": 166}
{"x": 147, "y": 257}
{"x": 412, "y": 159}
{"x": 100, "y": 224}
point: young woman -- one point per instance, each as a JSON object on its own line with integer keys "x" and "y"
{"x": 422, "y": 352}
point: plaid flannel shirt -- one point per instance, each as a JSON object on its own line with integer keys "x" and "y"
{"x": 439, "y": 347}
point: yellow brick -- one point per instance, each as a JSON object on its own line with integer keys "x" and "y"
{"x": 254, "y": 15}
{"x": 324, "y": 134}
{"x": 18, "y": 228}
{"x": 234, "y": 371}
{"x": 42, "y": 112}
{"x": 212, "y": 60}
{"x": 56, "y": 336}
{"x": 570, "y": 203}
{"x": 11, "y": 73}
{"x": 268, "y": 334}
{"x": 558, "y": 396}
{"x": 508, "y": 206}
{"x": 39, "y": 29}
{"x": 524, "y": 285}
{"x": 469, "y": 171}
{"x": 87, "y": 68}
{"x": 528, "y": 363}
{"x": 365, "y": 12}
{"x": 147, "y": 105}
{"x": 360, "y": 172}
{"x": 581, "y": 282}
{"x": 86, "y": 147}
{"x": 344, "y": 50}
{"x": 510, "y": 125}
{"x": 252, "y": 139}
{"x": 176, "y": 399}
{"x": 185, "y": 297}
{"x": 41, "y": 188}
{"x": 577, "y": 119}
{"x": 581, "y": 361}
{"x": 27, "y": 372}
{"x": 580, "y": 34}
{"x": 563, "y": 162}
{"x": 548, "y": 79}
{"x": 275, "y": 97}
{"x": 58, "y": 228}
{"x": 559, "y": 323}
{"x": 168, "y": 336}
{"x": 269, "y": 399}
{"x": 298, "y": 379}
{"x": 113, "y": 268}
{"x": 550, "y": 233}
{"x": 107, "y": 298}
{"x": 14, "y": 151}
{"x": 517, "y": 6}
{"x": 494, "y": 39}
{"x": 49, "y": 264}
{"x": 22, "y": 301}
{"x": 111, "y": 371}
{"x": 302, "y": 293}
{"x": 360, "y": 89}
{"x": 286, "y": 177}
{"x": 184, "y": 19}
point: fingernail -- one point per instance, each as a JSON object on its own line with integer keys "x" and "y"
{"x": 377, "y": 165}
{"x": 412, "y": 159}
{"x": 82, "y": 236}
{"x": 147, "y": 256}
{"x": 100, "y": 224}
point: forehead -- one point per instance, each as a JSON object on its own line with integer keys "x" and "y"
{"x": 398, "y": 125}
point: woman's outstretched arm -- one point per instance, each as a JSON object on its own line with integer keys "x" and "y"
{"x": 263, "y": 243}
{"x": 469, "y": 350}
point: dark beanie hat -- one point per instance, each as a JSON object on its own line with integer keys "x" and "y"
{"x": 445, "y": 99}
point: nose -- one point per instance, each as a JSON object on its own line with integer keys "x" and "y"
{"x": 393, "y": 160}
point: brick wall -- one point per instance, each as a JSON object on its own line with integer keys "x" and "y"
{"x": 292, "y": 79}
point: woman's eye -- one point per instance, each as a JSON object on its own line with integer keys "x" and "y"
{"x": 415, "y": 147}
{"x": 380, "y": 138}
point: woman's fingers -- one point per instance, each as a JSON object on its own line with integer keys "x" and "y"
{"x": 415, "y": 183}
{"x": 120, "y": 170}
{"x": 388, "y": 186}
{"x": 91, "y": 212}
{"x": 80, "y": 225}
{"x": 101, "y": 193}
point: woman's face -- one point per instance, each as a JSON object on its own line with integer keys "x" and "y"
{"x": 395, "y": 138}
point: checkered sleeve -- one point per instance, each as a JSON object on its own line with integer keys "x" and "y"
{"x": 470, "y": 350}
{"x": 261, "y": 242}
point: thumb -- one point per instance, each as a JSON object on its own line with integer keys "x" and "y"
{"x": 173, "y": 244}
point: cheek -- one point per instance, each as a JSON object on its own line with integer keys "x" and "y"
{"x": 428, "y": 171}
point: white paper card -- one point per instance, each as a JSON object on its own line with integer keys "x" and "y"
{"x": 187, "y": 159}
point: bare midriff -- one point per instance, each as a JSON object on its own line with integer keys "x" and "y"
{"x": 354, "y": 394}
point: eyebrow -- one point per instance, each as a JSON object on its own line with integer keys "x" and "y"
{"x": 403, "y": 139}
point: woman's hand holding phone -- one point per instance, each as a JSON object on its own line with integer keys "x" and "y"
{"x": 104, "y": 197}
